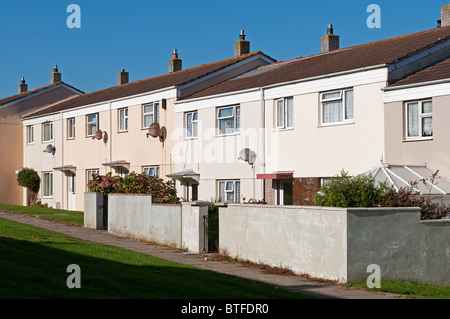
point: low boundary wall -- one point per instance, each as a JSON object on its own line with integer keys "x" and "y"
{"x": 339, "y": 244}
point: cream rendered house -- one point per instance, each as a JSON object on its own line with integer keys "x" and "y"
{"x": 13, "y": 136}
{"x": 303, "y": 120}
{"x": 111, "y": 130}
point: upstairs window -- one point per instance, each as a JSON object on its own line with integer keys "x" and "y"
{"x": 71, "y": 128}
{"x": 419, "y": 120}
{"x": 123, "y": 119}
{"x": 47, "y": 132}
{"x": 337, "y": 107}
{"x": 91, "y": 124}
{"x": 229, "y": 119}
{"x": 30, "y": 134}
{"x": 150, "y": 114}
{"x": 192, "y": 124}
{"x": 284, "y": 113}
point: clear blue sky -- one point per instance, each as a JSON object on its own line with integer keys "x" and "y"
{"x": 140, "y": 35}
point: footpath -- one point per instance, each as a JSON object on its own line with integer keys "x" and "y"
{"x": 295, "y": 283}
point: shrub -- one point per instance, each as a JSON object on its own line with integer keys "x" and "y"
{"x": 29, "y": 178}
{"x": 162, "y": 192}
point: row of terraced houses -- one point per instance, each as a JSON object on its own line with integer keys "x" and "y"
{"x": 248, "y": 127}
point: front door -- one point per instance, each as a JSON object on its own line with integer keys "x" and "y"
{"x": 71, "y": 191}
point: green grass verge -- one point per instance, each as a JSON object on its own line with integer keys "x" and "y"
{"x": 409, "y": 290}
{"x": 72, "y": 217}
{"x": 34, "y": 265}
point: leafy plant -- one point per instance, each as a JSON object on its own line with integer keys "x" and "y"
{"x": 29, "y": 178}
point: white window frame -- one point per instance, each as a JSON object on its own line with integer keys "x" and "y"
{"x": 194, "y": 124}
{"x": 30, "y": 134}
{"x": 71, "y": 128}
{"x": 123, "y": 119}
{"x": 421, "y": 116}
{"x": 154, "y": 113}
{"x": 234, "y": 188}
{"x": 45, "y": 187}
{"x": 236, "y": 127}
{"x": 342, "y": 98}
{"x": 90, "y": 174}
{"x": 287, "y": 116}
{"x": 92, "y": 123}
{"x": 43, "y": 132}
{"x": 148, "y": 169}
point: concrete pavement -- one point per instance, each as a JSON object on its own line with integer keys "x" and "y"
{"x": 294, "y": 283}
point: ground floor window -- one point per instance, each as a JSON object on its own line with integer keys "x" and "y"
{"x": 90, "y": 173}
{"x": 47, "y": 184}
{"x": 151, "y": 170}
{"x": 229, "y": 191}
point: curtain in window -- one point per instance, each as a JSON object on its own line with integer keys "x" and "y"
{"x": 280, "y": 113}
{"x": 238, "y": 191}
{"x": 290, "y": 112}
{"x": 222, "y": 191}
{"x": 226, "y": 126}
{"x": 238, "y": 118}
{"x": 189, "y": 124}
{"x": 348, "y": 105}
{"x": 332, "y": 112}
{"x": 413, "y": 119}
{"x": 427, "y": 126}
{"x": 47, "y": 132}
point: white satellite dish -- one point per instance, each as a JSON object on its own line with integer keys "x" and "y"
{"x": 247, "y": 155}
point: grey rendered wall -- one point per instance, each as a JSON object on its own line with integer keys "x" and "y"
{"x": 93, "y": 210}
{"x": 405, "y": 248}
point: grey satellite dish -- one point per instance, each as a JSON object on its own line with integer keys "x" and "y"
{"x": 247, "y": 155}
{"x": 50, "y": 149}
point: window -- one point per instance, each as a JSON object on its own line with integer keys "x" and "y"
{"x": 30, "y": 134}
{"x": 123, "y": 172}
{"x": 151, "y": 170}
{"x": 90, "y": 173}
{"x": 229, "y": 119}
{"x": 91, "y": 124}
{"x": 47, "y": 132}
{"x": 419, "y": 119}
{"x": 47, "y": 184}
{"x": 191, "y": 124}
{"x": 337, "y": 107}
{"x": 123, "y": 120}
{"x": 284, "y": 112}
{"x": 230, "y": 191}
{"x": 71, "y": 128}
{"x": 150, "y": 114}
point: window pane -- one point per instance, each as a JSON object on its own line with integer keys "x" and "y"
{"x": 148, "y": 120}
{"x": 331, "y": 95}
{"x": 238, "y": 118}
{"x": 280, "y": 113}
{"x": 427, "y": 107}
{"x": 189, "y": 124}
{"x": 226, "y": 112}
{"x": 156, "y": 112}
{"x": 195, "y": 129}
{"x": 148, "y": 108}
{"x": 332, "y": 112}
{"x": 238, "y": 192}
{"x": 229, "y": 186}
{"x": 195, "y": 116}
{"x": 47, "y": 132}
{"x": 222, "y": 191}
{"x": 290, "y": 112}
{"x": 92, "y": 118}
{"x": 427, "y": 126}
{"x": 121, "y": 120}
{"x": 230, "y": 197}
{"x": 413, "y": 119}
{"x": 226, "y": 126}
{"x": 348, "y": 105}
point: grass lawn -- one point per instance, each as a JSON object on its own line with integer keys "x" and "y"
{"x": 409, "y": 290}
{"x": 34, "y": 264}
{"x": 72, "y": 217}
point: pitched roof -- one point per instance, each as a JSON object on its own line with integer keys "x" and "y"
{"x": 350, "y": 58}
{"x": 19, "y": 96}
{"x": 438, "y": 71}
{"x": 141, "y": 86}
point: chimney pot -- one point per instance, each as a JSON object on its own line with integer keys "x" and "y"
{"x": 445, "y": 15}
{"x": 241, "y": 46}
{"x": 56, "y": 76}
{"x": 23, "y": 87}
{"x": 175, "y": 64}
{"x": 122, "y": 77}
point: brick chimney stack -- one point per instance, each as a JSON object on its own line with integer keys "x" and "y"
{"x": 122, "y": 77}
{"x": 175, "y": 64}
{"x": 445, "y": 15}
{"x": 23, "y": 87}
{"x": 56, "y": 76}
{"x": 241, "y": 46}
{"x": 330, "y": 41}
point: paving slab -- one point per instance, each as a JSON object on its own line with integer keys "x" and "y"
{"x": 295, "y": 283}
